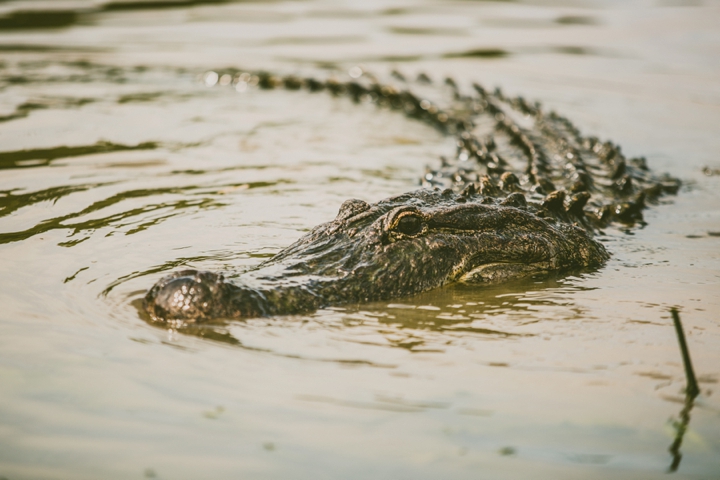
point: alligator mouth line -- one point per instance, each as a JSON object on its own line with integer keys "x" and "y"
{"x": 498, "y": 272}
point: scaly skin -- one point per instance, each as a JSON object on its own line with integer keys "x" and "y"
{"x": 523, "y": 195}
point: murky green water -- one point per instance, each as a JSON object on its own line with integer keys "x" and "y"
{"x": 117, "y": 165}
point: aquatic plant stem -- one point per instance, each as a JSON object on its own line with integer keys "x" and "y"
{"x": 691, "y": 389}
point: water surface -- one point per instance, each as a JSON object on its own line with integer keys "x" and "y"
{"x": 120, "y": 161}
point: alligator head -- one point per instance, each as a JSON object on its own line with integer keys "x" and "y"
{"x": 397, "y": 247}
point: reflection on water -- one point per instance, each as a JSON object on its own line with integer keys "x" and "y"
{"x": 21, "y": 20}
{"x": 117, "y": 220}
{"x": 44, "y": 156}
{"x": 35, "y": 18}
{"x": 118, "y": 165}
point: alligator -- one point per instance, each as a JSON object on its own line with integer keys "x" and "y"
{"x": 524, "y": 193}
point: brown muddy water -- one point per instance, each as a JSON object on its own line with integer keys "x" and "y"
{"x": 118, "y": 164}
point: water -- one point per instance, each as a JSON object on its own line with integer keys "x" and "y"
{"x": 118, "y": 165}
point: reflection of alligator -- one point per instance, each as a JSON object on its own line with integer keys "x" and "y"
{"x": 522, "y": 195}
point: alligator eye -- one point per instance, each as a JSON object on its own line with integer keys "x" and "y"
{"x": 409, "y": 225}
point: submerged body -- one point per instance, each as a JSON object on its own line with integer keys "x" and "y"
{"x": 524, "y": 194}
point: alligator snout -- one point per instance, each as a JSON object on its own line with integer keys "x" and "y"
{"x": 186, "y": 295}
